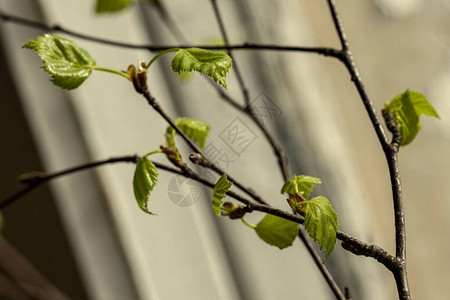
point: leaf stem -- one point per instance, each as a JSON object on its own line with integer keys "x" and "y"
{"x": 153, "y": 152}
{"x": 248, "y": 224}
{"x": 161, "y": 54}
{"x": 111, "y": 71}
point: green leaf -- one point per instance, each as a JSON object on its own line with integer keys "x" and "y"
{"x": 321, "y": 223}
{"x": 220, "y": 189}
{"x": 300, "y": 184}
{"x": 213, "y": 64}
{"x": 108, "y": 6}
{"x": 193, "y": 128}
{"x": 145, "y": 178}
{"x": 406, "y": 109}
{"x": 68, "y": 64}
{"x": 418, "y": 101}
{"x": 408, "y": 120}
{"x": 277, "y": 231}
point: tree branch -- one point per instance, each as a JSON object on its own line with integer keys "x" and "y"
{"x": 321, "y": 266}
{"x": 35, "y": 179}
{"x": 227, "y": 42}
{"x": 156, "y": 48}
{"x": 391, "y": 153}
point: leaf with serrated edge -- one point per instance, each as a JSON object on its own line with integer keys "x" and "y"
{"x": 406, "y": 109}
{"x": 214, "y": 64}
{"x": 277, "y": 231}
{"x": 193, "y": 128}
{"x": 68, "y": 64}
{"x": 144, "y": 180}
{"x": 107, "y": 6}
{"x": 220, "y": 189}
{"x": 303, "y": 183}
{"x": 418, "y": 101}
{"x": 321, "y": 223}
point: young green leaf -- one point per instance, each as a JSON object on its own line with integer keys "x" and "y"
{"x": 300, "y": 184}
{"x": 220, "y": 189}
{"x": 418, "y": 101}
{"x": 321, "y": 223}
{"x": 107, "y": 6}
{"x": 68, "y": 64}
{"x": 277, "y": 231}
{"x": 145, "y": 178}
{"x": 408, "y": 120}
{"x": 213, "y": 64}
{"x": 193, "y": 128}
{"x": 406, "y": 109}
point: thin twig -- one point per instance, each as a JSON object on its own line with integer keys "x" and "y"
{"x": 391, "y": 153}
{"x": 35, "y": 179}
{"x": 230, "y": 53}
{"x": 170, "y": 23}
{"x": 326, "y": 51}
{"x": 321, "y": 266}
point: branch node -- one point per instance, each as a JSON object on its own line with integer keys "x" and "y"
{"x": 393, "y": 127}
{"x": 198, "y": 159}
{"x": 31, "y": 177}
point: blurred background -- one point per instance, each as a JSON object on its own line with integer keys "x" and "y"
{"x": 88, "y": 237}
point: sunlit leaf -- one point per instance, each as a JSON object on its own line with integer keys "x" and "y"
{"x": 108, "y": 6}
{"x": 193, "y": 128}
{"x": 214, "y": 64}
{"x": 300, "y": 184}
{"x": 406, "y": 109}
{"x": 418, "y": 101}
{"x": 145, "y": 178}
{"x": 68, "y": 64}
{"x": 408, "y": 119}
{"x": 220, "y": 189}
{"x": 277, "y": 231}
{"x": 321, "y": 223}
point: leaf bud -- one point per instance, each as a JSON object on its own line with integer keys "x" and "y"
{"x": 232, "y": 210}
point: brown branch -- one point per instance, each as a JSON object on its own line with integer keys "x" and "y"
{"x": 199, "y": 159}
{"x": 35, "y": 179}
{"x": 230, "y": 53}
{"x": 168, "y": 20}
{"x": 326, "y": 51}
{"x": 391, "y": 153}
{"x": 321, "y": 266}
